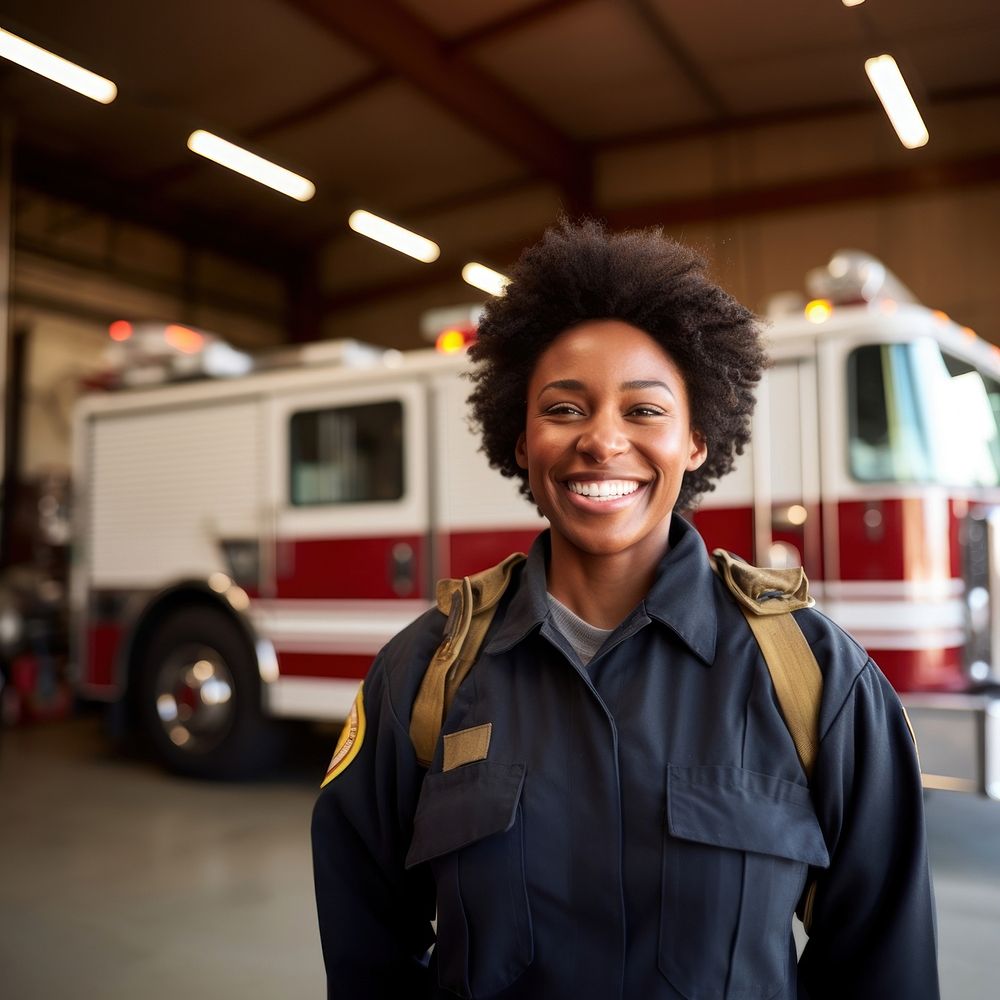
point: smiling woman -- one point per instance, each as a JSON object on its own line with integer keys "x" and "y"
{"x": 607, "y": 442}
{"x": 616, "y": 806}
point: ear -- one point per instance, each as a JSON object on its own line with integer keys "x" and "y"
{"x": 521, "y": 451}
{"x": 699, "y": 451}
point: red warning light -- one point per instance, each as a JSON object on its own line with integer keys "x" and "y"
{"x": 120, "y": 330}
{"x": 182, "y": 339}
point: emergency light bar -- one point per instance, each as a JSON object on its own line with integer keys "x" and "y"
{"x": 151, "y": 352}
{"x": 451, "y": 328}
{"x": 852, "y": 276}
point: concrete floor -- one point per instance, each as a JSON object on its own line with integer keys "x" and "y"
{"x": 119, "y": 882}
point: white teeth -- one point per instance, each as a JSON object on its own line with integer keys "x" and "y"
{"x": 605, "y": 489}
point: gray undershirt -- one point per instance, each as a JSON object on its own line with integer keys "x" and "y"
{"x": 586, "y": 639}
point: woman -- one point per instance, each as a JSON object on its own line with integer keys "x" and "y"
{"x": 635, "y": 821}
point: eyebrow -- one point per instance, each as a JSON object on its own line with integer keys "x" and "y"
{"x": 575, "y": 385}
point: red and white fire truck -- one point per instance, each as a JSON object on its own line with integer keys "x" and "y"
{"x": 246, "y": 545}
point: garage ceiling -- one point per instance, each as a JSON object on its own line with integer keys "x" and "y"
{"x": 409, "y": 107}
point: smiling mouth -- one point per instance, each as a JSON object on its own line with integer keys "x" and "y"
{"x": 604, "y": 489}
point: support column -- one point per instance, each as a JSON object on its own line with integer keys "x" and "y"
{"x": 8, "y": 487}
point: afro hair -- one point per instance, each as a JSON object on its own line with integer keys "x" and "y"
{"x": 579, "y": 272}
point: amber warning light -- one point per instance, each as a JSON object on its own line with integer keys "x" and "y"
{"x": 451, "y": 328}
{"x": 454, "y": 339}
{"x": 183, "y": 339}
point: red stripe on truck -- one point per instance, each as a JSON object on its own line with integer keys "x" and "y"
{"x": 471, "y": 551}
{"x": 922, "y": 669}
{"x": 332, "y": 665}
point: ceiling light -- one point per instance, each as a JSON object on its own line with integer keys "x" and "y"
{"x": 895, "y": 97}
{"x": 853, "y": 3}
{"x": 250, "y": 165}
{"x": 56, "y": 68}
{"x": 481, "y": 276}
{"x": 383, "y": 231}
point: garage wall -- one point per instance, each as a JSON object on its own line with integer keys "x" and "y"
{"x": 78, "y": 263}
{"x": 75, "y": 269}
{"x": 61, "y": 352}
{"x": 939, "y": 240}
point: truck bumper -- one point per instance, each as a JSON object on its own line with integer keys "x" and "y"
{"x": 958, "y": 738}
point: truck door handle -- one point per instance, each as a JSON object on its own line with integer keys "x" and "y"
{"x": 401, "y": 568}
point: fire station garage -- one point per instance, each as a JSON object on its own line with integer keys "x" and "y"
{"x": 243, "y": 250}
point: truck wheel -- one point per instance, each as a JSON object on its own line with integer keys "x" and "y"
{"x": 199, "y": 698}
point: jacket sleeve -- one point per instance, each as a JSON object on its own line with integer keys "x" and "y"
{"x": 374, "y": 916}
{"x": 873, "y": 932}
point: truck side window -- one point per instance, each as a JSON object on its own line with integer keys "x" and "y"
{"x": 347, "y": 454}
{"x": 919, "y": 415}
{"x": 889, "y": 437}
{"x": 870, "y": 453}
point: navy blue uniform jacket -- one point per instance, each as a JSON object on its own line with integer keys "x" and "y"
{"x": 640, "y": 827}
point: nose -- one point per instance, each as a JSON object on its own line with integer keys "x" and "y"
{"x": 603, "y": 438}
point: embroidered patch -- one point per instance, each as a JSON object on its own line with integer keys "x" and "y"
{"x": 350, "y": 739}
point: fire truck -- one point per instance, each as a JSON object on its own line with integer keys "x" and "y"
{"x": 246, "y": 545}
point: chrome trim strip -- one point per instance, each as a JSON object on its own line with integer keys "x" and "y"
{"x": 312, "y": 698}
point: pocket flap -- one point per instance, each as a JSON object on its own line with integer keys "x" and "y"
{"x": 462, "y": 806}
{"x": 746, "y": 811}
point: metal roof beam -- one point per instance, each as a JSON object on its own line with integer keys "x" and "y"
{"x": 653, "y": 22}
{"x": 50, "y": 175}
{"x": 968, "y": 171}
{"x": 789, "y": 116}
{"x": 396, "y": 38}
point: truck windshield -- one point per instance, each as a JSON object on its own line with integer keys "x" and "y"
{"x": 919, "y": 415}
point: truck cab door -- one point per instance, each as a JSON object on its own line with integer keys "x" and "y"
{"x": 350, "y": 494}
{"x": 788, "y": 529}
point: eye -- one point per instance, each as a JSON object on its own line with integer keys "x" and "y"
{"x": 646, "y": 410}
{"x": 563, "y": 410}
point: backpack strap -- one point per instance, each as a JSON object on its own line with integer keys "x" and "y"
{"x": 470, "y": 604}
{"x": 766, "y": 597}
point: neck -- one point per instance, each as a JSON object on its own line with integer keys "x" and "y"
{"x": 601, "y": 589}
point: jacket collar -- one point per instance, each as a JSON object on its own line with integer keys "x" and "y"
{"x": 682, "y": 596}
{"x": 683, "y": 593}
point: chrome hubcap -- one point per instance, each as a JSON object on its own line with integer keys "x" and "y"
{"x": 194, "y": 697}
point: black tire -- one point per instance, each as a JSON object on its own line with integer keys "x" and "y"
{"x": 199, "y": 697}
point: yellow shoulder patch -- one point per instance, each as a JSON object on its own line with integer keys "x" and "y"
{"x": 350, "y": 739}
{"x": 913, "y": 735}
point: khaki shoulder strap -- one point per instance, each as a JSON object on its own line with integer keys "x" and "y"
{"x": 470, "y": 604}
{"x": 766, "y": 597}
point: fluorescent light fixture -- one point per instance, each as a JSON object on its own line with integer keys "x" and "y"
{"x": 250, "y": 165}
{"x": 481, "y": 276}
{"x": 383, "y": 231}
{"x": 895, "y": 97}
{"x": 56, "y": 68}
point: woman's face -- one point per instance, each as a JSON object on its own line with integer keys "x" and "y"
{"x": 608, "y": 439}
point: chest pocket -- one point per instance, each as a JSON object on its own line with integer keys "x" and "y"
{"x": 468, "y": 827}
{"x": 735, "y": 861}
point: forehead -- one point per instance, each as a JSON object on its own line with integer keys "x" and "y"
{"x": 606, "y": 348}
